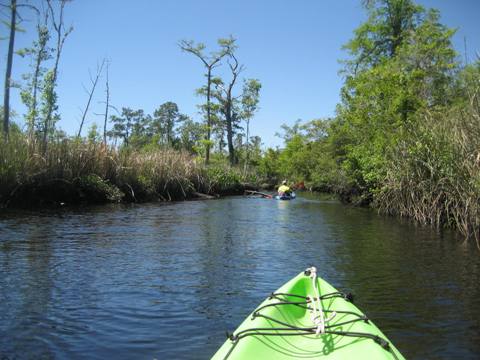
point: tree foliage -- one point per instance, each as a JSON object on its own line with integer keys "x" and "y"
{"x": 165, "y": 119}
{"x": 405, "y": 136}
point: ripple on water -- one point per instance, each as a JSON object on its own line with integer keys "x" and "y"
{"x": 159, "y": 281}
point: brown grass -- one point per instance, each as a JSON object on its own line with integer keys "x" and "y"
{"x": 73, "y": 171}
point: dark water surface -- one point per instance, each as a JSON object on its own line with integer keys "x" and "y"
{"x": 166, "y": 281}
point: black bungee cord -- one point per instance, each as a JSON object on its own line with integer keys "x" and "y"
{"x": 292, "y": 330}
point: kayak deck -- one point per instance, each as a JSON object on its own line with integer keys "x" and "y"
{"x": 282, "y": 327}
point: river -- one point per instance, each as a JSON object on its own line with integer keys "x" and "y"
{"x": 157, "y": 281}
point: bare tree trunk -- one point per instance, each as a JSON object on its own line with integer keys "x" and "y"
{"x": 107, "y": 104}
{"x": 247, "y": 148}
{"x": 8, "y": 73}
{"x": 31, "y": 125}
{"x": 209, "y": 121}
{"x": 229, "y": 118}
{"x": 59, "y": 27}
{"x": 90, "y": 95}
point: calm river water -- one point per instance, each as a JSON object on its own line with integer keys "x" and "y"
{"x": 163, "y": 281}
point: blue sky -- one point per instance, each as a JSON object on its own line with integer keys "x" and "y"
{"x": 292, "y": 47}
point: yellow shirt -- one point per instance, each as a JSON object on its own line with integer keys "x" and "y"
{"x": 283, "y": 189}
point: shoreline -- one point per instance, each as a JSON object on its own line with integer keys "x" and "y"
{"x": 82, "y": 199}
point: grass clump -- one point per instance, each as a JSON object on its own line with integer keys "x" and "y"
{"x": 436, "y": 178}
{"x": 73, "y": 171}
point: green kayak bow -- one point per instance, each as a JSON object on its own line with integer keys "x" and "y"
{"x": 307, "y": 319}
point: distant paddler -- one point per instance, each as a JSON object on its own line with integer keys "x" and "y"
{"x": 284, "y": 189}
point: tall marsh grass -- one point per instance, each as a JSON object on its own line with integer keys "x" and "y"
{"x": 74, "y": 171}
{"x": 434, "y": 177}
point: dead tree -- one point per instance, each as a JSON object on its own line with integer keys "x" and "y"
{"x": 107, "y": 104}
{"x": 90, "y": 94}
{"x": 227, "y": 100}
{"x": 210, "y": 62}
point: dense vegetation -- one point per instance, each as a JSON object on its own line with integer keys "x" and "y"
{"x": 75, "y": 171}
{"x": 406, "y": 135}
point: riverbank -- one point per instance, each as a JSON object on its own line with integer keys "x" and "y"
{"x": 73, "y": 172}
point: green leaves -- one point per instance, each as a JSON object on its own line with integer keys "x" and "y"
{"x": 402, "y": 58}
{"x": 224, "y": 110}
{"x": 165, "y": 118}
{"x": 388, "y": 26}
{"x": 131, "y": 123}
{"x": 250, "y": 98}
{"x": 401, "y": 77}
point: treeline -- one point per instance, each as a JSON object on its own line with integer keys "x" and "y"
{"x": 134, "y": 156}
{"x": 406, "y": 137}
{"x": 230, "y": 102}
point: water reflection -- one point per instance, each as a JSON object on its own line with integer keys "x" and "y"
{"x": 158, "y": 281}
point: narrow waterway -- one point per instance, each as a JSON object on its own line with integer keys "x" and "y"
{"x": 160, "y": 281}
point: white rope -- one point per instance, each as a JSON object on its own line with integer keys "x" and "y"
{"x": 316, "y": 314}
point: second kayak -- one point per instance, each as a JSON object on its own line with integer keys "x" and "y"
{"x": 291, "y": 196}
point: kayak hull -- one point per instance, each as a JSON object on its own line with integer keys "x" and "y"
{"x": 275, "y": 322}
{"x": 286, "y": 197}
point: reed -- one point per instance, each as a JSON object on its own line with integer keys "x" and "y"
{"x": 75, "y": 171}
{"x": 434, "y": 176}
